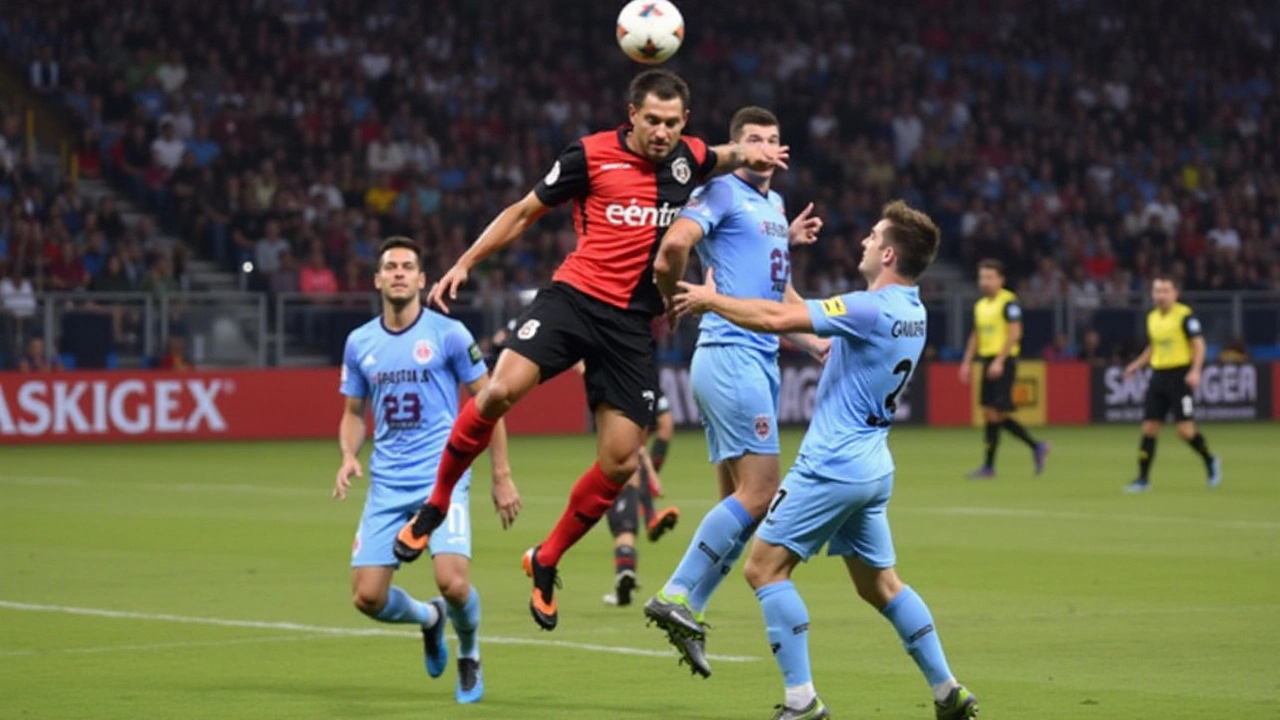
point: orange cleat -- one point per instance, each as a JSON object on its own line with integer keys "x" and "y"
{"x": 542, "y": 602}
{"x": 664, "y": 520}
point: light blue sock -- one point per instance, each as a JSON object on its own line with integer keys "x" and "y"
{"x": 401, "y": 608}
{"x": 911, "y": 618}
{"x": 701, "y": 593}
{"x": 787, "y": 621}
{"x": 466, "y": 622}
{"x": 712, "y": 543}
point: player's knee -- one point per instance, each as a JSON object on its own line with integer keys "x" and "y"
{"x": 880, "y": 589}
{"x": 1150, "y": 428}
{"x": 368, "y": 601}
{"x": 619, "y": 467}
{"x": 760, "y": 573}
{"x": 454, "y": 588}
{"x": 496, "y": 399}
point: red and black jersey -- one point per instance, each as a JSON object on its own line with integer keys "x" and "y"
{"x": 623, "y": 204}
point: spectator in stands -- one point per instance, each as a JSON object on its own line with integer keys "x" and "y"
{"x": 175, "y": 355}
{"x": 113, "y": 278}
{"x": 1058, "y": 350}
{"x": 45, "y": 74}
{"x": 1091, "y": 350}
{"x": 1234, "y": 352}
{"x": 317, "y": 280}
{"x": 36, "y": 358}
{"x": 67, "y": 272}
{"x": 159, "y": 280}
{"x": 269, "y": 249}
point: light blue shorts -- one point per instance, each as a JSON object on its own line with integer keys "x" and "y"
{"x": 808, "y": 512}
{"x": 387, "y": 509}
{"x": 736, "y": 389}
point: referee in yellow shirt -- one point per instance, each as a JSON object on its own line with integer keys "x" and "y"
{"x": 1175, "y": 351}
{"x": 996, "y": 341}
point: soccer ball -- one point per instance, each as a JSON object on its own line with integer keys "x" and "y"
{"x": 650, "y": 31}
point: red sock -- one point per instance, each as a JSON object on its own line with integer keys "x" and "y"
{"x": 590, "y": 499}
{"x": 470, "y": 436}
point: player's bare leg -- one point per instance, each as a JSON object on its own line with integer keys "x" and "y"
{"x": 618, "y": 440}
{"x": 513, "y": 377}
{"x": 768, "y": 572}
{"x": 373, "y": 594}
{"x": 453, "y": 577}
{"x": 904, "y": 608}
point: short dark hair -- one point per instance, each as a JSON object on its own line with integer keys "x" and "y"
{"x": 400, "y": 241}
{"x": 1165, "y": 277}
{"x": 991, "y": 264}
{"x": 663, "y": 84}
{"x": 914, "y": 237}
{"x": 750, "y": 115}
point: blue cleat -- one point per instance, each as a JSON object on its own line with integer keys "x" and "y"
{"x": 1215, "y": 472}
{"x": 982, "y": 473}
{"x": 434, "y": 649}
{"x": 470, "y": 682}
{"x": 1042, "y": 454}
{"x": 1140, "y": 485}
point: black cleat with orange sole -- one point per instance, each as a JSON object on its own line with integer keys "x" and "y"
{"x": 542, "y": 601}
{"x": 664, "y": 520}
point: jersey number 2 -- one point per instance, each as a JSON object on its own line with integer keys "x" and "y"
{"x": 903, "y": 368}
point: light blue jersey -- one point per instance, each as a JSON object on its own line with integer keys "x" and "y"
{"x": 411, "y": 378}
{"x": 837, "y": 493}
{"x": 745, "y": 242}
{"x": 877, "y": 340}
{"x": 735, "y": 371}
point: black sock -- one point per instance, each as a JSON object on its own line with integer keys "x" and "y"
{"x": 624, "y": 558}
{"x": 1146, "y": 453}
{"x": 1020, "y": 432}
{"x": 993, "y": 439}
{"x": 645, "y": 496}
{"x": 1198, "y": 444}
{"x": 658, "y": 455}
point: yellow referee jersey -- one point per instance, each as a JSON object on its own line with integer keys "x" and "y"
{"x": 1170, "y": 335}
{"x": 991, "y": 318}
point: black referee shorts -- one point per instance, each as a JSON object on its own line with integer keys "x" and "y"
{"x": 998, "y": 393}
{"x": 1168, "y": 394}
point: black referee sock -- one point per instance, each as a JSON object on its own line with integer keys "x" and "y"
{"x": 1146, "y": 453}
{"x": 1020, "y": 432}
{"x": 1198, "y": 444}
{"x": 993, "y": 439}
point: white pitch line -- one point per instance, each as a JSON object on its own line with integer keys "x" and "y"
{"x": 162, "y": 646}
{"x": 343, "y": 631}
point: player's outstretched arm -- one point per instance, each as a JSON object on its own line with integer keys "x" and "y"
{"x": 351, "y": 434}
{"x": 506, "y": 498}
{"x": 757, "y": 156}
{"x": 818, "y": 348}
{"x": 673, "y": 255}
{"x": 501, "y": 232}
{"x": 752, "y": 314}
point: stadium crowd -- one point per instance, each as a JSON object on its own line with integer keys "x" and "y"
{"x": 293, "y": 134}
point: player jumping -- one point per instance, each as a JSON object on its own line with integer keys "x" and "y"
{"x": 839, "y": 488}
{"x": 739, "y": 227}
{"x": 410, "y": 362}
{"x": 627, "y": 185}
{"x": 1175, "y": 350}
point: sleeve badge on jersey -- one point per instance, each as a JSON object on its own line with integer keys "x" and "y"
{"x": 831, "y": 307}
{"x": 552, "y": 175}
{"x": 681, "y": 171}
{"x": 474, "y": 351}
{"x": 1193, "y": 325}
{"x": 422, "y": 352}
{"x": 1013, "y": 312}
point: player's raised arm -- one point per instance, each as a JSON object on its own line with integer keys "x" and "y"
{"x": 758, "y": 156}
{"x": 506, "y": 498}
{"x": 351, "y": 435}
{"x": 752, "y": 314}
{"x": 501, "y": 232}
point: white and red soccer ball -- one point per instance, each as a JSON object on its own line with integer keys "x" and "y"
{"x": 650, "y": 31}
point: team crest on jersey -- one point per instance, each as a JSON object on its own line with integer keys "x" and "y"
{"x": 528, "y": 329}
{"x": 763, "y": 428}
{"x": 552, "y": 175}
{"x": 681, "y": 171}
{"x": 422, "y": 352}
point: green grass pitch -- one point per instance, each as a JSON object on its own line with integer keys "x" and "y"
{"x": 211, "y": 581}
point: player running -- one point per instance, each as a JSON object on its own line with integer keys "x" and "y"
{"x": 839, "y": 487}
{"x": 1175, "y": 350}
{"x": 410, "y": 362}
{"x": 739, "y": 227}
{"x": 627, "y": 185}
{"x": 996, "y": 339}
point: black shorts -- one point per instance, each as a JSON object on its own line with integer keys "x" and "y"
{"x": 998, "y": 393}
{"x": 1167, "y": 392}
{"x": 563, "y": 325}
